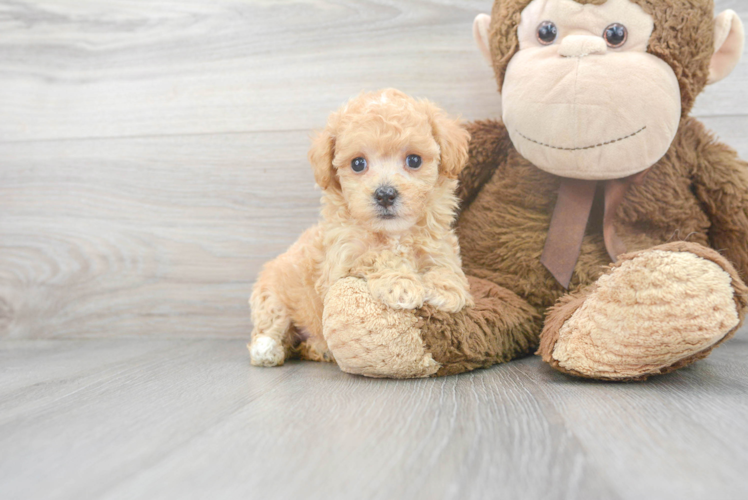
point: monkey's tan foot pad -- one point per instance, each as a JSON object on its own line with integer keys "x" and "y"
{"x": 368, "y": 338}
{"x": 653, "y": 312}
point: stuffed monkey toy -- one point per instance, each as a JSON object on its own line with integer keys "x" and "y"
{"x": 600, "y": 224}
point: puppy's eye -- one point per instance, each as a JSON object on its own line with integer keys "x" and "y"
{"x": 616, "y": 35}
{"x": 413, "y": 162}
{"x": 547, "y": 33}
{"x": 358, "y": 165}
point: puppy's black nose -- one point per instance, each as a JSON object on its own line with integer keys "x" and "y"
{"x": 385, "y": 196}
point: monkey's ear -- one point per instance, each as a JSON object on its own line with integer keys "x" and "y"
{"x": 729, "y": 37}
{"x": 481, "y": 27}
{"x": 321, "y": 155}
{"x": 452, "y": 138}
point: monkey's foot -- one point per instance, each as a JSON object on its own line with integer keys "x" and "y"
{"x": 653, "y": 312}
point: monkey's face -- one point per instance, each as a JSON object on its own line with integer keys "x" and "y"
{"x": 582, "y": 98}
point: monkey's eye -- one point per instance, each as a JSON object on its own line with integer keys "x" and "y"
{"x": 547, "y": 33}
{"x": 413, "y": 162}
{"x": 616, "y": 35}
{"x": 358, "y": 165}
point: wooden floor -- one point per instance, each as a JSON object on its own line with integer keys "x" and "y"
{"x": 153, "y": 156}
{"x": 190, "y": 419}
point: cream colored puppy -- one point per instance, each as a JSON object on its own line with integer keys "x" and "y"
{"x": 387, "y": 165}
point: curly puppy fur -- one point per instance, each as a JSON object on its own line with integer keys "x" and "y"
{"x": 407, "y": 251}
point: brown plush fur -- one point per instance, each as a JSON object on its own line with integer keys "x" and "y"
{"x": 678, "y": 201}
{"x": 683, "y": 38}
{"x": 695, "y": 199}
{"x": 506, "y": 329}
{"x": 697, "y": 193}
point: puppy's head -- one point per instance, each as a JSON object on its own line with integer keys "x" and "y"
{"x": 390, "y": 159}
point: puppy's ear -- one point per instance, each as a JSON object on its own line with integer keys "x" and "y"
{"x": 452, "y": 138}
{"x": 321, "y": 155}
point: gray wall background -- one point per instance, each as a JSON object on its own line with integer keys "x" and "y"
{"x": 153, "y": 154}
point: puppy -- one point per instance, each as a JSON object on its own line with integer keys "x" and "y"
{"x": 387, "y": 165}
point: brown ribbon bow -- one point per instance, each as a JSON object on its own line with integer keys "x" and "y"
{"x": 569, "y": 221}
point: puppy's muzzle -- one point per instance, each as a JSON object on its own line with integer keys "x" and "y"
{"x": 385, "y": 196}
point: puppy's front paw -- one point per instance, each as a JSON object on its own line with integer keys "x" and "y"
{"x": 398, "y": 293}
{"x": 449, "y": 299}
{"x": 447, "y": 291}
{"x": 266, "y": 351}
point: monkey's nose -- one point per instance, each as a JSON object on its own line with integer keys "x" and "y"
{"x": 385, "y": 196}
{"x": 582, "y": 46}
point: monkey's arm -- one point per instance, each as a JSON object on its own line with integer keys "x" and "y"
{"x": 489, "y": 144}
{"x": 721, "y": 184}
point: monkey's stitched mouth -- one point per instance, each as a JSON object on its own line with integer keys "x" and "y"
{"x": 584, "y": 148}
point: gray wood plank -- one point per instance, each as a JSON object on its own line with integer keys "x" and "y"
{"x": 152, "y": 155}
{"x": 143, "y": 237}
{"x": 158, "y": 236}
{"x": 25, "y": 365}
{"x": 192, "y": 419}
{"x": 111, "y": 422}
{"x": 688, "y": 431}
{"x": 75, "y": 69}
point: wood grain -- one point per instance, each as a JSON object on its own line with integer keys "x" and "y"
{"x": 152, "y": 157}
{"x": 80, "y": 69}
{"x": 150, "y": 236}
{"x": 153, "y": 154}
{"x": 122, "y": 419}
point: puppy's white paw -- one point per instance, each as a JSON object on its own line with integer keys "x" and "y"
{"x": 400, "y": 293}
{"x": 266, "y": 351}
